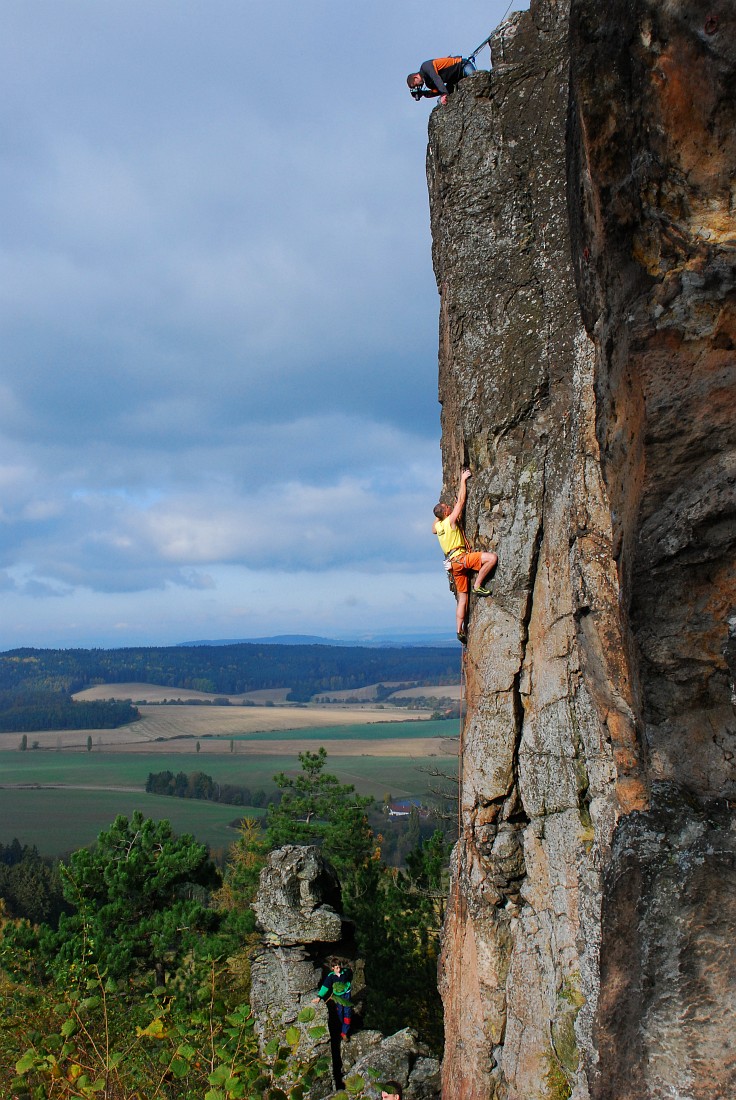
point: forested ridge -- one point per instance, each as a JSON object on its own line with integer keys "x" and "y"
{"x": 23, "y": 710}
{"x": 228, "y": 669}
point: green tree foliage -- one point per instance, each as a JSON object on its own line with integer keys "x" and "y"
{"x": 138, "y": 908}
{"x": 30, "y": 885}
{"x": 37, "y": 709}
{"x": 398, "y": 930}
{"x": 236, "y": 895}
{"x": 316, "y": 808}
{"x": 200, "y": 785}
{"x": 246, "y": 858}
{"x": 87, "y": 1021}
{"x": 229, "y": 669}
{"x": 398, "y": 915}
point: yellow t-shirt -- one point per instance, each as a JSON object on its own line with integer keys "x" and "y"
{"x": 451, "y": 538}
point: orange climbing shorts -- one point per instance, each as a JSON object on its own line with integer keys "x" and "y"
{"x": 462, "y": 564}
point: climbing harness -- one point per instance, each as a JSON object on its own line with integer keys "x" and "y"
{"x": 448, "y": 568}
{"x": 451, "y": 554}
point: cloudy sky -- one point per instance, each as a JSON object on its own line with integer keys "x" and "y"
{"x": 218, "y": 379}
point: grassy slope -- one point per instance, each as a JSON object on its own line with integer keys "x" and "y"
{"x": 59, "y": 820}
{"x": 380, "y": 731}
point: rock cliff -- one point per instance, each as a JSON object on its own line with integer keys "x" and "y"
{"x": 584, "y": 228}
{"x": 298, "y": 911}
{"x": 303, "y": 933}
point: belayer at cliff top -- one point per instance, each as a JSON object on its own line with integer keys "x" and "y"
{"x": 441, "y": 76}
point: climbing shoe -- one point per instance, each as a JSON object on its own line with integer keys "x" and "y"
{"x": 462, "y": 637}
{"x": 482, "y": 591}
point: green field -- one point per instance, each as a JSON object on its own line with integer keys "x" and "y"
{"x": 374, "y": 731}
{"x": 57, "y": 820}
{"x": 110, "y": 769}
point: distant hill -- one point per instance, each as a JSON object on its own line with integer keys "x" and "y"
{"x": 231, "y": 669}
{"x": 278, "y": 639}
{"x": 380, "y": 641}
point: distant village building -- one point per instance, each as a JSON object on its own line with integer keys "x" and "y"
{"x": 402, "y": 807}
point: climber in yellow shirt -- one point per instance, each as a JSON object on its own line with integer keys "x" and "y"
{"x": 461, "y": 560}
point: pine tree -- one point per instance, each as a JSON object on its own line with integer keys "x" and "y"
{"x": 245, "y": 859}
{"x": 137, "y": 906}
{"x": 316, "y": 808}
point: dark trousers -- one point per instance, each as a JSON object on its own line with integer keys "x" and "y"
{"x": 343, "y": 1015}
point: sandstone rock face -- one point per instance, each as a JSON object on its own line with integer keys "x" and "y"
{"x": 654, "y": 241}
{"x": 283, "y": 982}
{"x": 299, "y": 897}
{"x": 297, "y": 908}
{"x": 654, "y": 151}
{"x": 399, "y": 1057}
{"x": 584, "y": 243}
{"x": 298, "y": 912}
{"x": 668, "y": 970}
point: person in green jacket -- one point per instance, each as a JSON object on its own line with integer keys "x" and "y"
{"x": 336, "y": 987}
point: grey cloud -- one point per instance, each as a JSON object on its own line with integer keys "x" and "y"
{"x": 215, "y": 294}
{"x": 363, "y": 509}
{"x": 41, "y": 590}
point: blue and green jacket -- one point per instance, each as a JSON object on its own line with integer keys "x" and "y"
{"x": 336, "y": 987}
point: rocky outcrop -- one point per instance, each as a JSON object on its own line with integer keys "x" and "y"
{"x": 298, "y": 913}
{"x": 399, "y": 1057}
{"x": 584, "y": 243}
{"x": 299, "y": 898}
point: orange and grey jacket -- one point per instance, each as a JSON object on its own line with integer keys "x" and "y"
{"x": 441, "y": 75}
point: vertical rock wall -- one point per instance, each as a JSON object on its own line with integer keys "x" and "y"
{"x": 652, "y": 158}
{"x": 586, "y": 375}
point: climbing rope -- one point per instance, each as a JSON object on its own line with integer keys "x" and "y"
{"x": 487, "y": 41}
{"x": 508, "y": 9}
{"x": 460, "y": 747}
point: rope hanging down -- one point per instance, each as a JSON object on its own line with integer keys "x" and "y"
{"x": 487, "y": 41}
{"x": 460, "y": 748}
